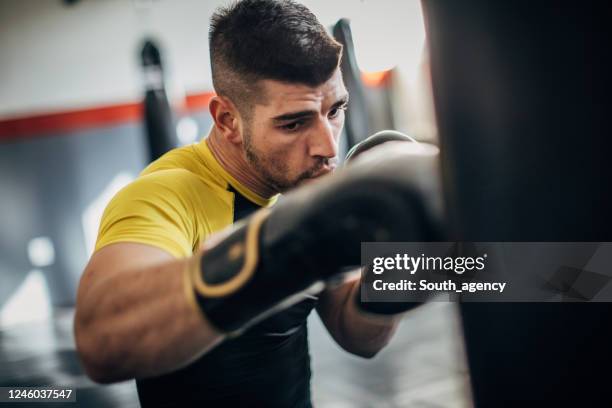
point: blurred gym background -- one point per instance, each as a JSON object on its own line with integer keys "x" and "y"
{"x": 75, "y": 128}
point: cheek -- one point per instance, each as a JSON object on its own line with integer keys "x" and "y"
{"x": 292, "y": 158}
{"x": 276, "y": 149}
{"x": 291, "y": 155}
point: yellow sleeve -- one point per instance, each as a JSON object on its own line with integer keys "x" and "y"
{"x": 154, "y": 209}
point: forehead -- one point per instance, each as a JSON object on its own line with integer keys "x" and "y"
{"x": 283, "y": 96}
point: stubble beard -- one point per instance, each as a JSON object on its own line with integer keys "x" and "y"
{"x": 261, "y": 165}
{"x": 272, "y": 170}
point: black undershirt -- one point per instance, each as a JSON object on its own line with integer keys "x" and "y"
{"x": 268, "y": 366}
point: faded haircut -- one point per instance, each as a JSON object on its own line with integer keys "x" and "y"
{"x": 251, "y": 40}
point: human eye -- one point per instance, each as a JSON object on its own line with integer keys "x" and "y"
{"x": 335, "y": 112}
{"x": 293, "y": 126}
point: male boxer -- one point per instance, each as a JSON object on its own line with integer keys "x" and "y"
{"x": 225, "y": 325}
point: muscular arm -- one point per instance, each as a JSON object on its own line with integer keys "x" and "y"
{"x": 133, "y": 318}
{"x": 354, "y": 331}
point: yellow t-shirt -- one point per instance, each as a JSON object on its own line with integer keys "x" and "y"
{"x": 177, "y": 202}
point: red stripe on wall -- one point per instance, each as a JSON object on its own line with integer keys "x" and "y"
{"x": 198, "y": 101}
{"x": 376, "y": 79}
{"x": 62, "y": 122}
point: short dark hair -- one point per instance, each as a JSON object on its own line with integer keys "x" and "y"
{"x": 280, "y": 40}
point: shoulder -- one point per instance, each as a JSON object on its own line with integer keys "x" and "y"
{"x": 163, "y": 209}
{"x": 177, "y": 194}
{"x": 177, "y": 182}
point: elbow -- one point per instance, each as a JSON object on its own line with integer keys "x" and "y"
{"x": 98, "y": 350}
{"x": 99, "y": 375}
{"x": 366, "y": 347}
{"x": 95, "y": 358}
{"x": 363, "y": 349}
{"x": 89, "y": 356}
{"x": 365, "y": 353}
{"x": 90, "y": 360}
{"x": 97, "y": 372}
{"x": 98, "y": 368}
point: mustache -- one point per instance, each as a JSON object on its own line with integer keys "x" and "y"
{"x": 321, "y": 163}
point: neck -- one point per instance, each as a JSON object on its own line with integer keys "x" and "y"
{"x": 231, "y": 158}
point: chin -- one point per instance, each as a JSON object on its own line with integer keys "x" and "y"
{"x": 308, "y": 180}
{"x": 305, "y": 181}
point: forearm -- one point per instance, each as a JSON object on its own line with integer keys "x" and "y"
{"x": 362, "y": 334}
{"x": 139, "y": 323}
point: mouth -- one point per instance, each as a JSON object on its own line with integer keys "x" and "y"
{"x": 320, "y": 173}
{"x": 323, "y": 171}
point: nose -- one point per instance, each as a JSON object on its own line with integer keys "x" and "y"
{"x": 323, "y": 141}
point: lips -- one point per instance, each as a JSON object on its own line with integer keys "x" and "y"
{"x": 323, "y": 171}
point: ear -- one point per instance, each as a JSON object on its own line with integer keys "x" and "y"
{"x": 227, "y": 119}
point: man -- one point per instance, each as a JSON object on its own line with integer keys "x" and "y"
{"x": 278, "y": 114}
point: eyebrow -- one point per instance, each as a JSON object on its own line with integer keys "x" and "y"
{"x": 308, "y": 113}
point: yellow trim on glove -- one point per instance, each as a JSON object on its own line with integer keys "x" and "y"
{"x": 251, "y": 259}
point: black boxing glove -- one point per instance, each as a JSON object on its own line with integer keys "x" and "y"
{"x": 264, "y": 264}
{"x": 368, "y": 144}
{"x": 376, "y": 140}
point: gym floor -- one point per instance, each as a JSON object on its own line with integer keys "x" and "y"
{"x": 423, "y": 366}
